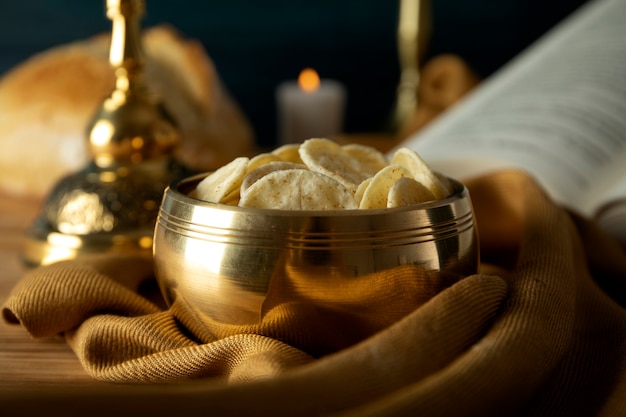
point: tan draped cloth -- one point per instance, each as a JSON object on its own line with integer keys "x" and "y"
{"x": 540, "y": 331}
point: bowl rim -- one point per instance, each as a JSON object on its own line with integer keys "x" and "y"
{"x": 174, "y": 191}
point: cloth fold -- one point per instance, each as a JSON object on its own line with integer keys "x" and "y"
{"x": 541, "y": 330}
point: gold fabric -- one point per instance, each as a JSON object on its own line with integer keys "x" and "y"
{"x": 541, "y": 330}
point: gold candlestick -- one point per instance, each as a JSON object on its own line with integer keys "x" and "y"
{"x": 111, "y": 205}
{"x": 413, "y": 35}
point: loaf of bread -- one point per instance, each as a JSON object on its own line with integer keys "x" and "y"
{"x": 47, "y": 102}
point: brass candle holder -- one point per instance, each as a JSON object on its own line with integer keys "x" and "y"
{"x": 413, "y": 35}
{"x": 112, "y": 203}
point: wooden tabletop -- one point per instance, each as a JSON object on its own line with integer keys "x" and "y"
{"x": 26, "y": 362}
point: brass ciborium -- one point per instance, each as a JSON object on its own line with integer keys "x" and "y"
{"x": 112, "y": 203}
{"x": 217, "y": 263}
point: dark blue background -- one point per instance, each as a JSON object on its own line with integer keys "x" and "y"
{"x": 256, "y": 44}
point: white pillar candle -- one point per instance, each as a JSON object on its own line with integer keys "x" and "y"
{"x": 309, "y": 107}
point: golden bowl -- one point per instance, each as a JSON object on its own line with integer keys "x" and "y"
{"x": 222, "y": 264}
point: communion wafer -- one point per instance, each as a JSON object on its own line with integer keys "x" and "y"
{"x": 224, "y": 181}
{"x": 261, "y": 171}
{"x": 298, "y": 189}
{"x": 329, "y": 158}
{"x": 377, "y": 191}
{"x": 370, "y": 159}
{"x": 320, "y": 174}
{"x": 420, "y": 171}
{"x": 260, "y": 160}
{"x": 289, "y": 152}
{"x": 360, "y": 190}
{"x": 445, "y": 181}
{"x": 406, "y": 192}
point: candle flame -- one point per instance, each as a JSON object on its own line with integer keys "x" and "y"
{"x": 308, "y": 80}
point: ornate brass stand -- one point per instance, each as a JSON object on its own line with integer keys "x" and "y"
{"x": 112, "y": 204}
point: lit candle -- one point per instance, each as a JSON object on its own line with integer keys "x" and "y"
{"x": 309, "y": 107}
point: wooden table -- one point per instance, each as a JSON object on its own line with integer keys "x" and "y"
{"x": 26, "y": 362}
